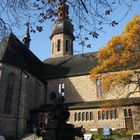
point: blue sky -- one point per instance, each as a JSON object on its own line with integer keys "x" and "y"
{"x": 41, "y": 43}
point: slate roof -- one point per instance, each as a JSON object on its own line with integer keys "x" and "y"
{"x": 94, "y": 104}
{"x": 74, "y": 65}
{"x": 13, "y": 52}
{"x": 101, "y": 103}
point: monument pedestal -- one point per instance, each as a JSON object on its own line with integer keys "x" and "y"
{"x": 58, "y": 132}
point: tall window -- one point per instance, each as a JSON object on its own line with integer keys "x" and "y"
{"x": 79, "y": 116}
{"x": 52, "y": 47}
{"x": 83, "y": 116}
{"x": 67, "y": 45}
{"x": 61, "y": 88}
{"x": 75, "y": 116}
{"x": 107, "y": 114}
{"x": 87, "y": 116}
{"x": 99, "y": 115}
{"x": 9, "y": 93}
{"x": 58, "y": 45}
{"x": 98, "y": 88}
{"x": 91, "y": 115}
{"x": 36, "y": 93}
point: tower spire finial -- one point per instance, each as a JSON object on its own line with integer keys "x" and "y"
{"x": 26, "y": 39}
{"x": 63, "y": 10}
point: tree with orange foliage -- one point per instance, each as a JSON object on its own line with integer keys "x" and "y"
{"x": 122, "y": 56}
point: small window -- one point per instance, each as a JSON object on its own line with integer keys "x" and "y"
{"x": 87, "y": 116}
{"x": 107, "y": 115}
{"x": 99, "y": 115}
{"x": 129, "y": 112}
{"x": 67, "y": 45}
{"x": 111, "y": 114}
{"x": 98, "y": 88}
{"x": 52, "y": 47}
{"x": 75, "y": 116}
{"x": 61, "y": 89}
{"x": 79, "y": 116}
{"x": 58, "y": 45}
{"x": 125, "y": 113}
{"x": 91, "y": 116}
{"x": 83, "y": 116}
{"x": 116, "y": 114}
{"x": 103, "y": 115}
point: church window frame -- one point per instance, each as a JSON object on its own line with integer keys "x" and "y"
{"x": 61, "y": 88}
{"x": 58, "y": 45}
{"x": 103, "y": 115}
{"x": 99, "y": 92}
{"x": 129, "y": 112}
{"x": 87, "y": 116}
{"x": 107, "y": 114}
{"x": 37, "y": 89}
{"x": 9, "y": 93}
{"x": 91, "y": 115}
{"x": 125, "y": 113}
{"x": 83, "y": 116}
{"x": 75, "y": 116}
{"x": 52, "y": 47}
{"x": 79, "y": 116}
{"x": 116, "y": 113}
{"x": 99, "y": 115}
{"x": 67, "y": 45}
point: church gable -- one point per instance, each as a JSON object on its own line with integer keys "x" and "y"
{"x": 14, "y": 52}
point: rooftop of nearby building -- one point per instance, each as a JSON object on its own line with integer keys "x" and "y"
{"x": 71, "y": 65}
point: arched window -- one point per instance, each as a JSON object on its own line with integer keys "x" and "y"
{"x": 107, "y": 114}
{"x": 79, "y": 116}
{"x": 75, "y": 116}
{"x": 58, "y": 45}
{"x": 111, "y": 114}
{"x": 87, "y": 116}
{"x": 91, "y": 116}
{"x": 99, "y": 115}
{"x": 83, "y": 116}
{"x": 67, "y": 45}
{"x": 9, "y": 93}
{"x": 116, "y": 114}
{"x": 125, "y": 113}
{"x": 103, "y": 115}
{"x": 98, "y": 88}
{"x": 129, "y": 112}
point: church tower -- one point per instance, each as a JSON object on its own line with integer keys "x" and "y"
{"x": 62, "y": 33}
{"x": 26, "y": 40}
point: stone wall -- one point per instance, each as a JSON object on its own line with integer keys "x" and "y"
{"x": 113, "y": 123}
{"x": 22, "y": 100}
{"x": 82, "y": 89}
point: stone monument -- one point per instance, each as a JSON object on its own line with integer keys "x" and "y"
{"x": 56, "y": 127}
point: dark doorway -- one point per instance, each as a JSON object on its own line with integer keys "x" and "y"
{"x": 129, "y": 123}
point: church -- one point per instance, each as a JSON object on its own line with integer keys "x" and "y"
{"x": 26, "y": 83}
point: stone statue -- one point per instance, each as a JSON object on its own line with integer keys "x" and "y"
{"x": 58, "y": 112}
{"x": 57, "y": 128}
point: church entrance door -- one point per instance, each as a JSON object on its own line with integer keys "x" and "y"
{"x": 129, "y": 123}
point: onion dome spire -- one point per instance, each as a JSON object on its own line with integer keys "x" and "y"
{"x": 26, "y": 39}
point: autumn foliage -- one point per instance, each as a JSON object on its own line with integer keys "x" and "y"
{"x": 122, "y": 53}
